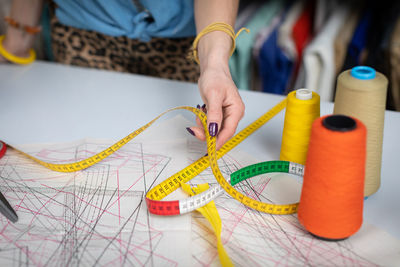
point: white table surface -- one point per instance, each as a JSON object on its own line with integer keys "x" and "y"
{"x": 47, "y": 102}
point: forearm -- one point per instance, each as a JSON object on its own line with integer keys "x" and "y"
{"x": 214, "y": 48}
{"x": 25, "y": 12}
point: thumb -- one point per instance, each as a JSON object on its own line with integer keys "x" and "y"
{"x": 214, "y": 115}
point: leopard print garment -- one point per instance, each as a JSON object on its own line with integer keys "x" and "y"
{"x": 160, "y": 57}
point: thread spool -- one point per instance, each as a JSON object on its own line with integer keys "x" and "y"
{"x": 361, "y": 93}
{"x": 331, "y": 201}
{"x": 303, "y": 107}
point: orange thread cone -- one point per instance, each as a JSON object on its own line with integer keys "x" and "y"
{"x": 331, "y": 200}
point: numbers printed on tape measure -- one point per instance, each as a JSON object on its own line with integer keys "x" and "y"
{"x": 154, "y": 196}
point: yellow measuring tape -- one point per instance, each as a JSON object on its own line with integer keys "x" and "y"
{"x": 210, "y": 212}
{"x": 155, "y": 195}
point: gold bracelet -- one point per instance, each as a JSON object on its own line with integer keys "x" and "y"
{"x": 15, "y": 59}
{"x": 216, "y": 26}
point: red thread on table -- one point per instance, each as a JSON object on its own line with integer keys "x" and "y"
{"x": 331, "y": 202}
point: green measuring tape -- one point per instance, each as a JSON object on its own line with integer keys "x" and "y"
{"x": 267, "y": 167}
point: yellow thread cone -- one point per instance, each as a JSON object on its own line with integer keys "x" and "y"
{"x": 299, "y": 116}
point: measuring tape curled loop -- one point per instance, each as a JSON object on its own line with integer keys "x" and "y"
{"x": 269, "y": 167}
{"x": 176, "y": 207}
{"x": 155, "y": 195}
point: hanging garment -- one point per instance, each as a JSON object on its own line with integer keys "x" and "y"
{"x": 240, "y": 61}
{"x": 285, "y": 37}
{"x": 302, "y": 33}
{"x": 246, "y": 14}
{"x": 382, "y": 25}
{"x": 318, "y": 62}
{"x": 356, "y": 49}
{"x": 323, "y": 11}
{"x": 394, "y": 93}
{"x": 343, "y": 38}
{"x": 379, "y": 34}
{"x": 378, "y": 41}
{"x": 262, "y": 36}
{"x": 302, "y": 29}
{"x": 274, "y": 66}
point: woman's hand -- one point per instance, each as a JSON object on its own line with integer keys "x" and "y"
{"x": 224, "y": 106}
{"x": 223, "y": 103}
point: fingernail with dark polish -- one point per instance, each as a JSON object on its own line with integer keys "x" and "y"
{"x": 213, "y": 129}
{"x": 198, "y": 106}
{"x": 205, "y": 155}
{"x": 190, "y": 131}
{"x": 203, "y": 106}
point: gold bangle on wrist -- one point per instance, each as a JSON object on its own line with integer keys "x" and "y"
{"x": 15, "y": 59}
{"x": 216, "y": 26}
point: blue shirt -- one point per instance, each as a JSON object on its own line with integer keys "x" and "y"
{"x": 171, "y": 19}
{"x": 275, "y": 67}
{"x": 358, "y": 42}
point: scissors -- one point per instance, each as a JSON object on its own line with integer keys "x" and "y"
{"x": 5, "y": 207}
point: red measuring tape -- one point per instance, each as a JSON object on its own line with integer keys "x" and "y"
{"x": 3, "y": 149}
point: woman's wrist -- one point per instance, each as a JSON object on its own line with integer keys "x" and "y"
{"x": 17, "y": 42}
{"x": 214, "y": 50}
{"x": 24, "y": 13}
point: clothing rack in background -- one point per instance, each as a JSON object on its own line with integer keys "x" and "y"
{"x": 307, "y": 43}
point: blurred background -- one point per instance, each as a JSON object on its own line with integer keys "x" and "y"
{"x": 298, "y": 43}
